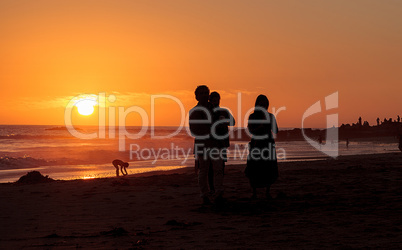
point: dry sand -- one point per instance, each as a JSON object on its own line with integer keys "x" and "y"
{"x": 351, "y": 202}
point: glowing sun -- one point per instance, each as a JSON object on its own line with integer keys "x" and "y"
{"x": 86, "y": 106}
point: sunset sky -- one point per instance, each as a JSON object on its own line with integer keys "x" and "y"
{"x": 295, "y": 52}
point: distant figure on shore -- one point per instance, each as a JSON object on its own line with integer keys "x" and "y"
{"x": 123, "y": 166}
{"x": 400, "y": 143}
{"x": 200, "y": 123}
{"x": 262, "y": 166}
{"x": 222, "y": 119}
{"x": 378, "y": 121}
{"x": 320, "y": 140}
{"x": 347, "y": 143}
{"x": 360, "y": 120}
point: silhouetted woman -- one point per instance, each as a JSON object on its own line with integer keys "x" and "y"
{"x": 262, "y": 166}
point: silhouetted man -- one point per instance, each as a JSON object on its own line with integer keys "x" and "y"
{"x": 200, "y": 123}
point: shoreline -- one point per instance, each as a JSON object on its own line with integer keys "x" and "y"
{"x": 184, "y": 169}
{"x": 110, "y": 174}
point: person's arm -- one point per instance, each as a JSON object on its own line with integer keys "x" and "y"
{"x": 229, "y": 117}
{"x": 274, "y": 125}
{"x": 232, "y": 120}
{"x": 122, "y": 167}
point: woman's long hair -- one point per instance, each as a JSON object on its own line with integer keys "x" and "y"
{"x": 261, "y": 99}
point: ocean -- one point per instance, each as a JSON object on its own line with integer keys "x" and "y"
{"x": 54, "y": 151}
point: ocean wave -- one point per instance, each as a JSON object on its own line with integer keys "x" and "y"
{"x": 7, "y": 162}
{"x": 32, "y": 137}
{"x": 62, "y": 128}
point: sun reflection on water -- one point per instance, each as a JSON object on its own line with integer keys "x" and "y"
{"x": 88, "y": 177}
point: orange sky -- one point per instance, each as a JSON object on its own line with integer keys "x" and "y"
{"x": 295, "y": 52}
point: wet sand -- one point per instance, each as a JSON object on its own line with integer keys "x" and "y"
{"x": 351, "y": 202}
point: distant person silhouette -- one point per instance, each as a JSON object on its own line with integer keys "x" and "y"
{"x": 347, "y": 142}
{"x": 400, "y": 143}
{"x": 123, "y": 166}
{"x": 360, "y": 121}
{"x": 222, "y": 118}
{"x": 200, "y": 123}
{"x": 262, "y": 166}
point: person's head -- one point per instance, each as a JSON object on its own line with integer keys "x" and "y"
{"x": 262, "y": 102}
{"x": 214, "y": 99}
{"x": 126, "y": 164}
{"x": 202, "y": 94}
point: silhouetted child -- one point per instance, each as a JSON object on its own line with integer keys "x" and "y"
{"x": 218, "y": 115}
{"x": 123, "y": 166}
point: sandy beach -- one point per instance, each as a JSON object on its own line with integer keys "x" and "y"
{"x": 351, "y": 202}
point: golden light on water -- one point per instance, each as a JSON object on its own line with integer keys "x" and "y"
{"x": 88, "y": 177}
{"x": 102, "y": 173}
